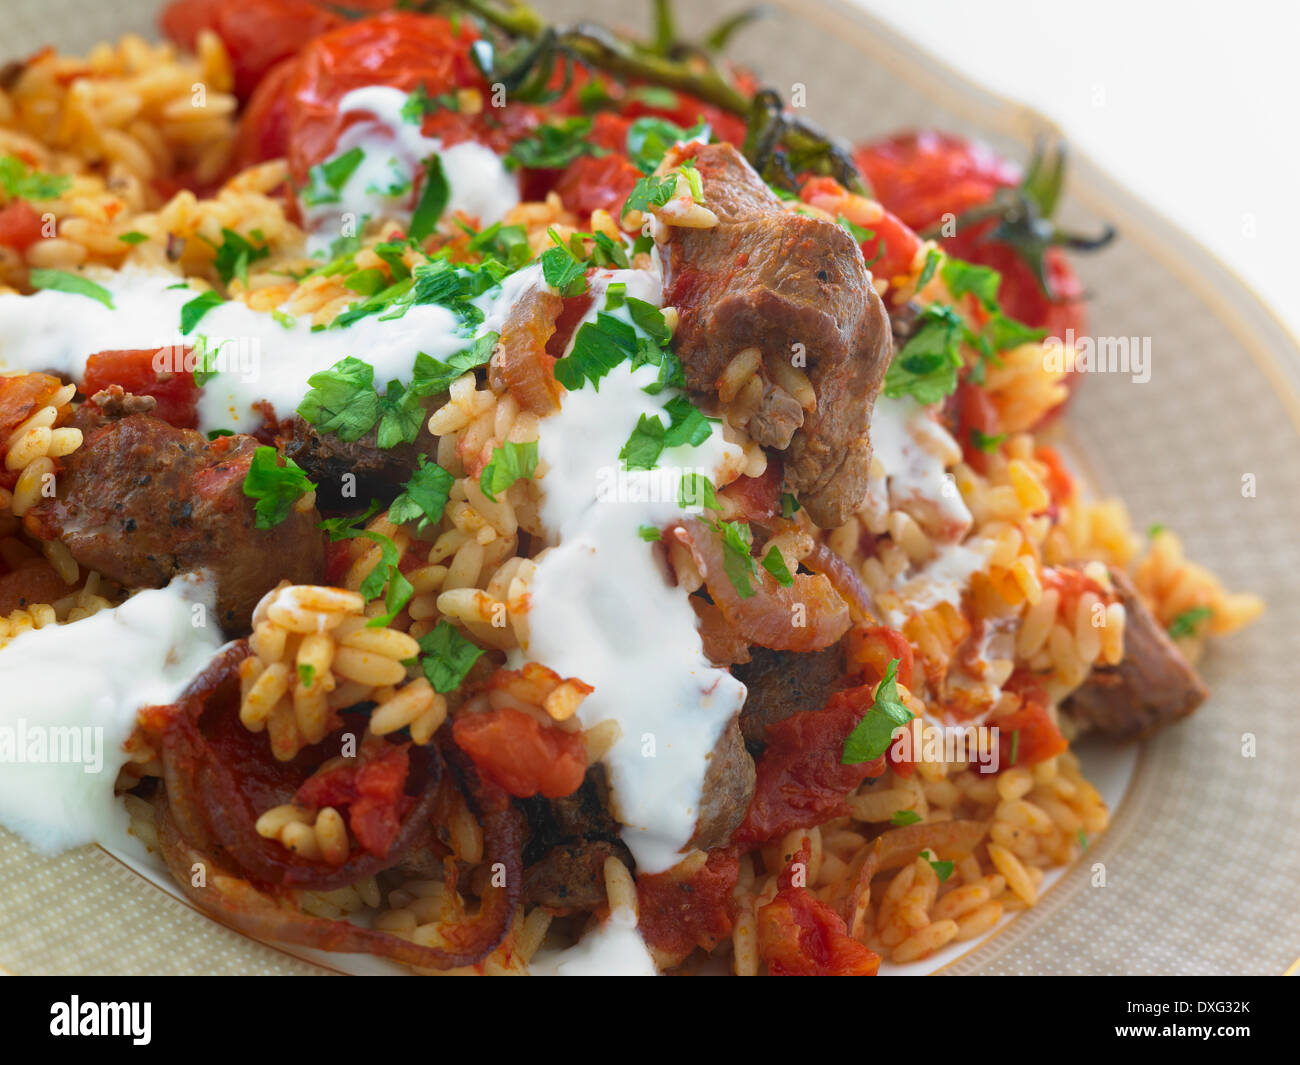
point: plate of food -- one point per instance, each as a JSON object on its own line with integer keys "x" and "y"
{"x": 492, "y": 492}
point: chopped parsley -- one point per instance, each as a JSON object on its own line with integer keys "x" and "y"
{"x": 434, "y": 195}
{"x": 400, "y": 416}
{"x": 648, "y": 140}
{"x": 650, "y": 192}
{"x": 1189, "y": 621}
{"x": 1083, "y": 840}
{"x": 988, "y": 443}
{"x": 205, "y": 359}
{"x": 328, "y": 178}
{"x": 739, "y": 564}
{"x": 1015, "y": 746}
{"x": 789, "y": 505}
{"x": 601, "y": 345}
{"x": 419, "y": 103}
{"x": 872, "y": 735}
{"x": 932, "y": 259}
{"x": 446, "y": 656}
{"x": 696, "y": 490}
{"x": 510, "y": 462}
{"x": 943, "y": 870}
{"x": 133, "y": 237}
{"x": 342, "y": 400}
{"x": 774, "y": 563}
{"x": 20, "y": 182}
{"x": 306, "y": 674}
{"x": 649, "y": 533}
{"x": 901, "y": 818}
{"x": 386, "y": 577}
{"x": 962, "y": 277}
{"x": 432, "y": 376}
{"x": 926, "y": 366}
{"x": 193, "y": 311}
{"x": 423, "y": 498}
{"x": 63, "y": 281}
{"x": 687, "y": 425}
{"x": 1155, "y": 530}
{"x": 275, "y": 488}
{"x": 554, "y": 145}
{"x": 507, "y": 244}
{"x": 693, "y": 179}
{"x": 234, "y": 255}
{"x": 563, "y": 270}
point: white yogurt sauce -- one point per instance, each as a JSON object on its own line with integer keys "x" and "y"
{"x": 260, "y": 358}
{"x": 614, "y": 948}
{"x": 909, "y": 443}
{"x": 603, "y": 610}
{"x": 70, "y": 697}
{"x": 395, "y": 151}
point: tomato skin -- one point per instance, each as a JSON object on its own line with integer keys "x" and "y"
{"x": 521, "y": 755}
{"x": 974, "y": 411}
{"x": 20, "y": 225}
{"x": 1039, "y": 738}
{"x": 924, "y": 175}
{"x": 597, "y": 182}
{"x": 176, "y": 394}
{"x": 871, "y": 648}
{"x": 799, "y": 935}
{"x": 1060, "y": 482}
{"x": 800, "y": 780}
{"x": 677, "y": 915}
{"x": 397, "y": 49}
{"x": 373, "y": 793}
{"x": 900, "y": 243}
{"x": 257, "y": 34}
{"x": 264, "y": 126}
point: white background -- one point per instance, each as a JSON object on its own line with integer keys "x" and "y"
{"x": 1192, "y": 105}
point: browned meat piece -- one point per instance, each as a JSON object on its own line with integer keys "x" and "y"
{"x": 569, "y": 840}
{"x": 379, "y": 473}
{"x": 728, "y": 787}
{"x": 1153, "y": 685}
{"x": 782, "y": 683}
{"x": 110, "y": 403}
{"x": 141, "y": 502}
{"x": 571, "y": 876}
{"x": 768, "y": 278}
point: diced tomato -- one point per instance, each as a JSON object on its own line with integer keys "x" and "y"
{"x": 33, "y": 581}
{"x": 176, "y": 393}
{"x": 257, "y": 34}
{"x": 21, "y": 396}
{"x": 757, "y": 498}
{"x": 597, "y": 182}
{"x": 801, "y": 781}
{"x": 679, "y": 914}
{"x": 373, "y": 793}
{"x": 870, "y": 649}
{"x": 799, "y": 935}
{"x": 1030, "y": 731}
{"x": 975, "y": 411}
{"x": 573, "y": 311}
{"x": 20, "y": 225}
{"x": 1060, "y": 482}
{"x": 398, "y": 49}
{"x": 892, "y": 246}
{"x": 520, "y": 754}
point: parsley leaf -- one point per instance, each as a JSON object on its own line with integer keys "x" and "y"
{"x": 789, "y": 506}
{"x": 510, "y": 462}
{"x": 644, "y": 446}
{"x": 872, "y": 735}
{"x": 650, "y": 192}
{"x": 133, "y": 237}
{"x": 905, "y": 817}
{"x": 306, "y": 674}
{"x": 507, "y": 244}
{"x": 193, "y": 311}
{"x": 423, "y": 498}
{"x": 774, "y": 563}
{"x": 1189, "y": 621}
{"x": 342, "y": 400}
{"x": 649, "y": 533}
{"x": 988, "y": 443}
{"x": 697, "y": 491}
{"x": 23, "y": 183}
{"x": 328, "y": 178}
{"x": 205, "y": 359}
{"x": 401, "y": 417}
{"x": 234, "y": 255}
{"x": 63, "y": 281}
{"x": 942, "y": 869}
{"x": 687, "y": 425}
{"x": 932, "y": 259}
{"x": 432, "y": 376}
{"x": 276, "y": 488}
{"x": 563, "y": 271}
{"x": 434, "y": 196}
{"x": 447, "y": 656}
{"x": 419, "y": 103}
{"x": 554, "y": 145}
{"x": 962, "y": 277}
{"x": 736, "y": 559}
{"x": 926, "y": 366}
{"x": 648, "y": 140}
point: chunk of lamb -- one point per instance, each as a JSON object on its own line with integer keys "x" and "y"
{"x": 142, "y": 502}
{"x": 782, "y": 683}
{"x": 768, "y": 278}
{"x": 379, "y": 473}
{"x": 1152, "y": 686}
